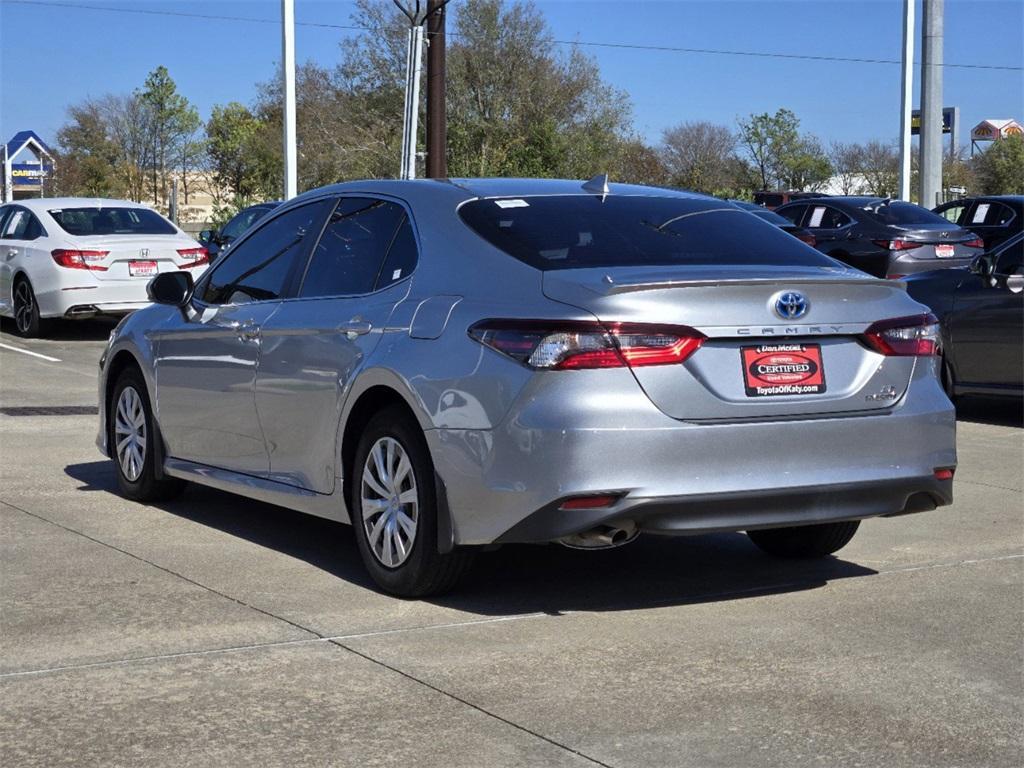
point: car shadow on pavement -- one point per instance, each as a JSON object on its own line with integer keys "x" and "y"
{"x": 95, "y": 329}
{"x": 999, "y": 411}
{"x": 519, "y": 579}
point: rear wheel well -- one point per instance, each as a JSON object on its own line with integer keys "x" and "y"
{"x": 370, "y": 402}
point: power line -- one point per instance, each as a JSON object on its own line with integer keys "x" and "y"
{"x": 582, "y": 43}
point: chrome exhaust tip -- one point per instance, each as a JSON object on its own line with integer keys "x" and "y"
{"x": 603, "y": 536}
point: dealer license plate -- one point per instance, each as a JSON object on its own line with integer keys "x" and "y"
{"x": 944, "y": 251}
{"x": 141, "y": 268}
{"x": 772, "y": 370}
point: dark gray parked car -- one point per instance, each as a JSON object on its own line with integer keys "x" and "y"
{"x": 451, "y": 364}
{"x": 883, "y": 237}
{"x": 996, "y": 218}
{"x": 981, "y": 312}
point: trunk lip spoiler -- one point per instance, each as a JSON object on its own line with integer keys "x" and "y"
{"x": 617, "y": 288}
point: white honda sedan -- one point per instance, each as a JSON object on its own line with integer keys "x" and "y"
{"x": 81, "y": 257}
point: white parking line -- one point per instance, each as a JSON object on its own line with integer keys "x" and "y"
{"x": 28, "y": 352}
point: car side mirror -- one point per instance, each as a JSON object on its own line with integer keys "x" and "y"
{"x": 172, "y": 288}
{"x": 206, "y": 236}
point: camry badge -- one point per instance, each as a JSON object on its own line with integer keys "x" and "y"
{"x": 791, "y": 305}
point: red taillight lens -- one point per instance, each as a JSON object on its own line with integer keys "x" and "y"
{"x": 72, "y": 259}
{"x": 194, "y": 257}
{"x": 573, "y": 345}
{"x": 808, "y": 238}
{"x": 905, "y": 336}
{"x": 895, "y": 245}
{"x": 944, "y": 473}
{"x": 894, "y": 276}
{"x": 975, "y": 243}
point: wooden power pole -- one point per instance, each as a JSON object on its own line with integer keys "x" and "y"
{"x": 437, "y": 121}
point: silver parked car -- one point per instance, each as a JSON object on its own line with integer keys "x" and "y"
{"x": 449, "y": 364}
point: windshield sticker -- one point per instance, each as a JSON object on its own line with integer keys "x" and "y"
{"x": 396, "y": 274}
{"x": 512, "y": 203}
{"x": 979, "y": 213}
{"x": 816, "y": 217}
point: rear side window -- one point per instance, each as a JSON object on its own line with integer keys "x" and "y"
{"x": 792, "y": 212}
{"x": 241, "y": 222}
{"x": 992, "y": 214}
{"x": 953, "y": 213}
{"x": 580, "y": 231}
{"x": 827, "y": 217}
{"x": 355, "y": 245}
{"x": 259, "y": 268}
{"x": 112, "y": 221}
{"x": 900, "y": 213}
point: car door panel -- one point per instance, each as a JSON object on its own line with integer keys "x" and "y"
{"x": 206, "y": 360}
{"x": 311, "y": 350}
{"x": 205, "y": 374}
{"x": 987, "y": 328}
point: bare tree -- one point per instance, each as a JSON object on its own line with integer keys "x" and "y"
{"x": 700, "y": 156}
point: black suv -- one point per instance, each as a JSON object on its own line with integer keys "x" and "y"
{"x": 883, "y": 237}
{"x": 996, "y": 218}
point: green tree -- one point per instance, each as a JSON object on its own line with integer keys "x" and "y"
{"x": 770, "y": 140}
{"x": 172, "y": 120}
{"x": 236, "y": 144}
{"x": 88, "y": 156}
{"x": 1000, "y": 168}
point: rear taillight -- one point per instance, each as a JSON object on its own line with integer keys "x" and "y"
{"x": 808, "y": 238}
{"x": 895, "y": 245}
{"x": 905, "y": 336}
{"x": 894, "y": 276}
{"x": 573, "y": 345}
{"x": 975, "y": 243}
{"x": 194, "y": 257}
{"x": 73, "y": 259}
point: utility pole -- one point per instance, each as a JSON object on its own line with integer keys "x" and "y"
{"x": 437, "y": 119}
{"x": 906, "y": 97}
{"x": 288, "y": 77}
{"x": 931, "y": 103}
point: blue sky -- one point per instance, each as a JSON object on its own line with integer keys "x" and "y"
{"x": 51, "y": 57}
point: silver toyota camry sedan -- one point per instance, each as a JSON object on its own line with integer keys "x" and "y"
{"x": 451, "y": 364}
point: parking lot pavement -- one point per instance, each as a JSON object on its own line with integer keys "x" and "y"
{"x": 218, "y": 631}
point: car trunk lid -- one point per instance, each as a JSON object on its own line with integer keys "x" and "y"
{"x": 753, "y": 364}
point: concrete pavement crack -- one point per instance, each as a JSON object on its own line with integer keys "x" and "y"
{"x": 166, "y": 570}
{"x": 471, "y": 705}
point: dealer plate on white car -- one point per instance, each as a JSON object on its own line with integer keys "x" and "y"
{"x": 142, "y": 268}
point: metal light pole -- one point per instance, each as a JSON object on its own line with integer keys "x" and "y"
{"x": 437, "y": 122}
{"x": 410, "y": 126}
{"x": 288, "y": 77}
{"x": 931, "y": 103}
{"x": 906, "y": 97}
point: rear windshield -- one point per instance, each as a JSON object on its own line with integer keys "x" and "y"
{"x": 900, "y": 213}
{"x": 580, "y": 231}
{"x": 772, "y": 217}
{"x": 112, "y": 221}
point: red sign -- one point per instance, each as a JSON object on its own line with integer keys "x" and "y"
{"x": 783, "y": 369}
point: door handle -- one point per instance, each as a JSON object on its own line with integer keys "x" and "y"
{"x": 355, "y": 327}
{"x": 248, "y": 332}
{"x": 12, "y": 253}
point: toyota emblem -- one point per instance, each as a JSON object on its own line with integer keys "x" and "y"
{"x": 791, "y": 305}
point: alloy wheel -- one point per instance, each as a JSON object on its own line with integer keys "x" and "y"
{"x": 390, "y": 502}
{"x": 130, "y": 433}
{"x": 24, "y": 306}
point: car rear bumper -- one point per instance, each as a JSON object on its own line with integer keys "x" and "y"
{"x": 507, "y": 484}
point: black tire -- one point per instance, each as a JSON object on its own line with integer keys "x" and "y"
{"x": 27, "y": 322}
{"x": 805, "y": 541}
{"x": 146, "y": 487}
{"x": 948, "y": 379}
{"x": 424, "y": 571}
